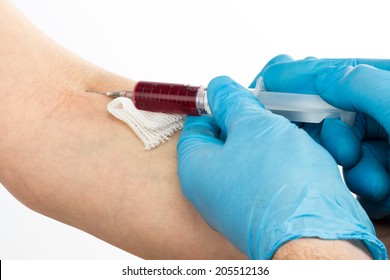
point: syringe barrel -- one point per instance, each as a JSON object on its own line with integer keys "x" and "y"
{"x": 169, "y": 98}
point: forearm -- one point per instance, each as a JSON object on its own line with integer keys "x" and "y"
{"x": 319, "y": 249}
{"x": 63, "y": 155}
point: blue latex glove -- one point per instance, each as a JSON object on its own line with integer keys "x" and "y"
{"x": 269, "y": 182}
{"x": 360, "y": 85}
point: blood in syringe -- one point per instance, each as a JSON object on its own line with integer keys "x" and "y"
{"x": 166, "y": 98}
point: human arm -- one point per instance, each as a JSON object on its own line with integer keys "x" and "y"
{"x": 265, "y": 183}
{"x": 64, "y": 156}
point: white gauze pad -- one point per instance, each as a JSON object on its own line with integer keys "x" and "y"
{"x": 152, "y": 128}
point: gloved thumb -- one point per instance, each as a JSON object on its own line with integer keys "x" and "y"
{"x": 231, "y": 103}
{"x": 361, "y": 88}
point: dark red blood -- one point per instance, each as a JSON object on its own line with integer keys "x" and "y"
{"x": 165, "y": 98}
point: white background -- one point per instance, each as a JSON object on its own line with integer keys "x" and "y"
{"x": 189, "y": 42}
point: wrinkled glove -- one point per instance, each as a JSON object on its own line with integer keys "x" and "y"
{"x": 361, "y": 85}
{"x": 268, "y": 182}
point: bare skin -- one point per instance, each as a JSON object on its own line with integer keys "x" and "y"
{"x": 63, "y": 155}
{"x": 318, "y": 249}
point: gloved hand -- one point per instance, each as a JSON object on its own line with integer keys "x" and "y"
{"x": 269, "y": 182}
{"x": 360, "y": 85}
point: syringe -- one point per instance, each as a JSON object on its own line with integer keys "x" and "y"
{"x": 192, "y": 100}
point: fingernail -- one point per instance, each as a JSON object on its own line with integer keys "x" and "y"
{"x": 330, "y": 75}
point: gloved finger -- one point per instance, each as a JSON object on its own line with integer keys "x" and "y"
{"x": 365, "y": 127}
{"x": 383, "y": 64}
{"x": 369, "y": 177}
{"x": 299, "y": 76}
{"x": 231, "y": 104}
{"x": 198, "y": 140}
{"x": 341, "y": 141}
{"x": 198, "y": 134}
{"x": 376, "y": 209}
{"x": 276, "y": 59}
{"x": 198, "y": 137}
{"x": 294, "y": 76}
{"x": 361, "y": 88}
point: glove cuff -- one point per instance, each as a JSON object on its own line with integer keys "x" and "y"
{"x": 340, "y": 218}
